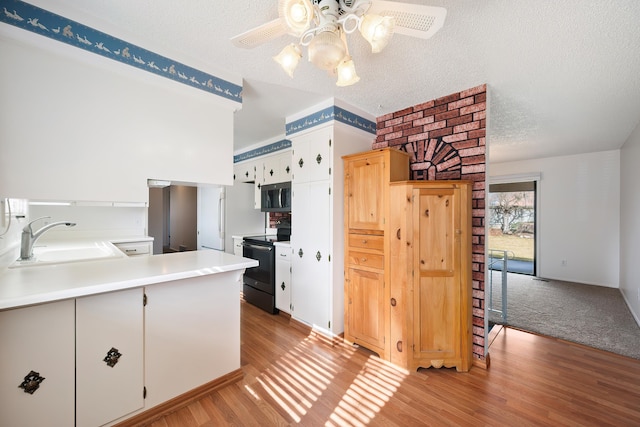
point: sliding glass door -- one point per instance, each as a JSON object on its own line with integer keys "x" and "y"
{"x": 512, "y": 227}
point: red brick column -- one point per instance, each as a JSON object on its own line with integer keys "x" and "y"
{"x": 446, "y": 140}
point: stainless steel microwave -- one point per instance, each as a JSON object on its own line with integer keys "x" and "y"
{"x": 276, "y": 197}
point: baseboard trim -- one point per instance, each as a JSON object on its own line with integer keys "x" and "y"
{"x": 179, "y": 402}
{"x": 482, "y": 363}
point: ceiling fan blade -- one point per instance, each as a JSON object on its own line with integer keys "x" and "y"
{"x": 260, "y": 34}
{"x": 411, "y": 19}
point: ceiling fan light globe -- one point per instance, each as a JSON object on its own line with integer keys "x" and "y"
{"x": 327, "y": 50}
{"x": 296, "y": 15}
{"x": 288, "y": 58}
{"x": 347, "y": 73}
{"x": 377, "y": 30}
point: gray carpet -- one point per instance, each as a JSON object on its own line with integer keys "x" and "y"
{"x": 596, "y": 316}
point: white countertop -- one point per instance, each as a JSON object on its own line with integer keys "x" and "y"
{"x": 40, "y": 284}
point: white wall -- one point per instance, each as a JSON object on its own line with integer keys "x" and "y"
{"x": 76, "y": 126}
{"x": 630, "y": 222}
{"x": 579, "y": 215}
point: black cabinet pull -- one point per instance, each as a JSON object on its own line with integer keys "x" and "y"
{"x": 393, "y": 302}
{"x": 319, "y": 158}
{"x": 31, "y": 382}
{"x": 318, "y": 256}
{"x": 300, "y": 162}
{"x": 283, "y": 286}
{"x": 300, "y": 253}
{"x": 112, "y": 357}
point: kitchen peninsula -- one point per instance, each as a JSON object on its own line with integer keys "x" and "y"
{"x": 99, "y": 342}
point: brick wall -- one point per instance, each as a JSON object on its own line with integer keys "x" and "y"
{"x": 276, "y": 217}
{"x": 446, "y": 140}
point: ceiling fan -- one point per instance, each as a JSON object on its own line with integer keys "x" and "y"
{"x": 322, "y": 27}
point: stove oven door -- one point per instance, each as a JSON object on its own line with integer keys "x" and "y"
{"x": 259, "y": 282}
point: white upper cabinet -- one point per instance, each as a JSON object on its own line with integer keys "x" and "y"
{"x": 311, "y": 159}
{"x": 277, "y": 168}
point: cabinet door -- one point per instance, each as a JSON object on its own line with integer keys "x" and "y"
{"x": 109, "y": 356}
{"x": 237, "y": 246}
{"x": 310, "y": 240}
{"x": 436, "y": 286}
{"x": 312, "y": 156}
{"x": 365, "y": 198}
{"x": 283, "y": 278}
{"x": 365, "y": 308}
{"x": 285, "y": 166}
{"x": 245, "y": 171}
{"x": 38, "y": 339}
{"x": 270, "y": 170}
{"x": 192, "y": 333}
{"x": 257, "y": 195}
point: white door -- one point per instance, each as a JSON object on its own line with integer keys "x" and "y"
{"x": 109, "y": 356}
{"x": 310, "y": 240}
{"x": 38, "y": 339}
{"x": 211, "y": 218}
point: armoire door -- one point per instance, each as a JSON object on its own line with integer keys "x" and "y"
{"x": 436, "y": 283}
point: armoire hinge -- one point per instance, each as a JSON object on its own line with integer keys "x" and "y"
{"x": 329, "y": 324}
{"x": 144, "y": 300}
{"x": 144, "y": 392}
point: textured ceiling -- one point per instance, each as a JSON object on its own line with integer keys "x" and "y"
{"x": 562, "y": 75}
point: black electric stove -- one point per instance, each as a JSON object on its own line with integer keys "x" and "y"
{"x": 259, "y": 283}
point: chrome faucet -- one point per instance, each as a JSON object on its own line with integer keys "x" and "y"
{"x": 29, "y": 237}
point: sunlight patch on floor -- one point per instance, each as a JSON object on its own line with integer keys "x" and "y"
{"x": 298, "y": 380}
{"x": 368, "y": 393}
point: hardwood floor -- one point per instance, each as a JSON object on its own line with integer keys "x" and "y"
{"x": 295, "y": 378}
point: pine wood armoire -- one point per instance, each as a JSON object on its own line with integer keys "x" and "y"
{"x": 367, "y": 177}
{"x": 407, "y": 263}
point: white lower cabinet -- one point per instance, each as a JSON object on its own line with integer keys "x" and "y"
{"x": 88, "y": 361}
{"x": 38, "y": 350}
{"x": 283, "y": 277}
{"x": 192, "y": 334}
{"x": 109, "y": 356}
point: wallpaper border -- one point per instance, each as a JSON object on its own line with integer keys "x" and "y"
{"x": 40, "y": 21}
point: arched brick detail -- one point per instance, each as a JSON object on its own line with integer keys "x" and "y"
{"x": 433, "y": 159}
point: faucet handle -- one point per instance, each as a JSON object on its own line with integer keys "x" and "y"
{"x": 27, "y": 228}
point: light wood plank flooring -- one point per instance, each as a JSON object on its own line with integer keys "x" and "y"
{"x": 296, "y": 378}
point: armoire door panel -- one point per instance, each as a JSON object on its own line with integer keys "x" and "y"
{"x": 365, "y": 204}
{"x": 366, "y": 317}
{"x": 436, "y": 317}
{"x": 435, "y": 212}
